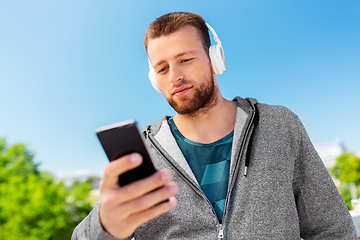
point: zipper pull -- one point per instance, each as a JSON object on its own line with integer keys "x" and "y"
{"x": 221, "y": 232}
{"x": 245, "y": 171}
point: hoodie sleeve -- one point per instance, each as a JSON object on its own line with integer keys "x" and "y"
{"x": 91, "y": 228}
{"x": 321, "y": 209}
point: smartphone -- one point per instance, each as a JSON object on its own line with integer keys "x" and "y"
{"x": 122, "y": 138}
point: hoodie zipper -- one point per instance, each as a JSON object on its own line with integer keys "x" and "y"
{"x": 221, "y": 226}
{"x": 238, "y": 164}
{"x": 221, "y": 232}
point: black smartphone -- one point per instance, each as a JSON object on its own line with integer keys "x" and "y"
{"x": 122, "y": 138}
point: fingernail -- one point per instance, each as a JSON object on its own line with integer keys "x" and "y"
{"x": 172, "y": 201}
{"x": 165, "y": 175}
{"x": 135, "y": 158}
{"x": 173, "y": 188}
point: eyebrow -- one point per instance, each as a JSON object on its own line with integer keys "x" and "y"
{"x": 177, "y": 56}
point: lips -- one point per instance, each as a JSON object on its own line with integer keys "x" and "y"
{"x": 180, "y": 90}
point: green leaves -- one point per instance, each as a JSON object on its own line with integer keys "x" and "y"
{"x": 347, "y": 168}
{"x": 15, "y": 161}
{"x": 32, "y": 204}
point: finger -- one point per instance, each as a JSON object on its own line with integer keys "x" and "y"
{"x": 148, "y": 201}
{"x": 140, "y": 218}
{"x": 117, "y": 167}
{"x": 143, "y": 186}
{"x": 115, "y": 197}
{"x": 124, "y": 228}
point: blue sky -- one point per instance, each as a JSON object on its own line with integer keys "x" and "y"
{"x": 69, "y": 67}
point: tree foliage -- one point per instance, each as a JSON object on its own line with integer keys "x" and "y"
{"x": 347, "y": 168}
{"x": 32, "y": 204}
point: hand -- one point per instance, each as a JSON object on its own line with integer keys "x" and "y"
{"x": 123, "y": 209}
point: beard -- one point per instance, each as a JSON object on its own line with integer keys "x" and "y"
{"x": 203, "y": 98}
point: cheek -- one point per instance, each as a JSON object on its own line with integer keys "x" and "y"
{"x": 202, "y": 69}
{"x": 163, "y": 84}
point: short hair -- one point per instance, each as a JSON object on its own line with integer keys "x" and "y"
{"x": 171, "y": 22}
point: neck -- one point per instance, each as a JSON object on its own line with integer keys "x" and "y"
{"x": 210, "y": 124}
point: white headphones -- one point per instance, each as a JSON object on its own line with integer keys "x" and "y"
{"x": 217, "y": 57}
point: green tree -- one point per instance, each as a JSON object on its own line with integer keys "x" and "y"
{"x": 15, "y": 161}
{"x": 347, "y": 168}
{"x": 345, "y": 192}
{"x": 32, "y": 204}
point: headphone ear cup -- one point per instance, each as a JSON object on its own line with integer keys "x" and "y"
{"x": 152, "y": 77}
{"x": 217, "y": 58}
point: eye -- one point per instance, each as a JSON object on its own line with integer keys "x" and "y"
{"x": 187, "y": 60}
{"x": 162, "y": 70}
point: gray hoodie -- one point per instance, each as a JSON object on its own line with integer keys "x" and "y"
{"x": 278, "y": 188}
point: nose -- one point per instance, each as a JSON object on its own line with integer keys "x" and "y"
{"x": 176, "y": 74}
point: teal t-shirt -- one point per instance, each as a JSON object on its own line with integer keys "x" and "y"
{"x": 210, "y": 164}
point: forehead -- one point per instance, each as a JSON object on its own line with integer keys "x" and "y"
{"x": 186, "y": 39}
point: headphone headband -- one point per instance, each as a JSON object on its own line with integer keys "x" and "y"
{"x": 216, "y": 39}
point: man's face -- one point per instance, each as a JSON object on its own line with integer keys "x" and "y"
{"x": 183, "y": 70}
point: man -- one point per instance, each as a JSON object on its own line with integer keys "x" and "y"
{"x": 239, "y": 169}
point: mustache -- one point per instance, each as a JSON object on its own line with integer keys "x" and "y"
{"x": 179, "y": 86}
{"x": 180, "y": 83}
